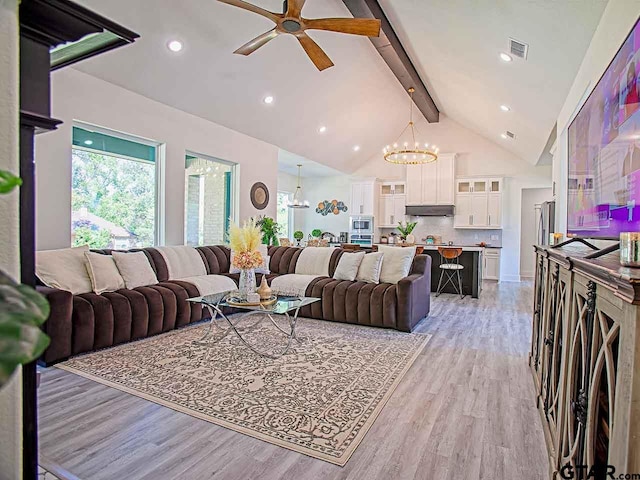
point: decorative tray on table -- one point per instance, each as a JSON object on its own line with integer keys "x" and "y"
{"x": 235, "y": 301}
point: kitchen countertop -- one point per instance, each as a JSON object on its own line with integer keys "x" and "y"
{"x": 466, "y": 248}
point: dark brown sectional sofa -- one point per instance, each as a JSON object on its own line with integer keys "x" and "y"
{"x": 88, "y": 322}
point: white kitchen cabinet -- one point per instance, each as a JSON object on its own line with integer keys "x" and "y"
{"x": 494, "y": 210}
{"x": 479, "y": 210}
{"x": 414, "y": 185}
{"x": 392, "y": 188}
{"x": 432, "y": 183}
{"x": 363, "y": 198}
{"x": 478, "y": 203}
{"x": 491, "y": 265}
{"x": 462, "y": 217}
{"x": 391, "y": 211}
{"x": 446, "y": 174}
{"x": 429, "y": 175}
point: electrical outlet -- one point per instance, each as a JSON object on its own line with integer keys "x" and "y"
{"x": 494, "y": 237}
{"x": 476, "y": 237}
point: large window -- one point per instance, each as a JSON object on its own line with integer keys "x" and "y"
{"x": 114, "y": 197}
{"x": 209, "y": 185}
{"x": 285, "y": 214}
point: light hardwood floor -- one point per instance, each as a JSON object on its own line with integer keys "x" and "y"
{"x": 464, "y": 411}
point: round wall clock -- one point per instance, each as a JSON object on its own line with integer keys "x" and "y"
{"x": 259, "y": 195}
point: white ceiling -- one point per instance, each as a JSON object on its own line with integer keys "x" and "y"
{"x": 454, "y": 44}
{"x": 288, "y": 163}
{"x": 359, "y": 100}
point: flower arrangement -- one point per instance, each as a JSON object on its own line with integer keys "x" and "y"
{"x": 244, "y": 242}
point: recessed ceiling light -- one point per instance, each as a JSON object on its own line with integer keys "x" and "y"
{"x": 88, "y": 142}
{"x": 356, "y": 148}
{"x": 322, "y": 129}
{"x": 174, "y": 45}
{"x": 505, "y": 58}
{"x": 268, "y": 100}
{"x": 504, "y": 108}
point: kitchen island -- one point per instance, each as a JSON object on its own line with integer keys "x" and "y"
{"x": 470, "y": 259}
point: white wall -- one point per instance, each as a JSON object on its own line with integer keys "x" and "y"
{"x": 529, "y": 228}
{"x": 81, "y": 97}
{"x": 616, "y": 22}
{"x": 478, "y": 156}
{"x": 316, "y": 190}
{"x": 10, "y": 394}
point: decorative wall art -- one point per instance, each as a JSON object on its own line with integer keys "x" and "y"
{"x": 331, "y": 206}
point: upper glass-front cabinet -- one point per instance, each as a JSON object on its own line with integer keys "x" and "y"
{"x": 464, "y": 186}
{"x": 479, "y": 186}
{"x": 392, "y": 188}
{"x": 495, "y": 185}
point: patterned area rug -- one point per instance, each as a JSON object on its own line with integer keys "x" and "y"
{"x": 320, "y": 399}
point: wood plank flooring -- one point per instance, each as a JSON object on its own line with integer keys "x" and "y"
{"x": 465, "y": 410}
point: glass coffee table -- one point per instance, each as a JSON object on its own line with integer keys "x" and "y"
{"x": 287, "y": 307}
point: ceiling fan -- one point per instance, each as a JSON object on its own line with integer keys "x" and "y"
{"x": 292, "y": 22}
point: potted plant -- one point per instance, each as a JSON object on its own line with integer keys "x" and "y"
{"x": 405, "y": 231}
{"x": 298, "y": 235}
{"x": 22, "y": 312}
{"x": 316, "y": 233}
{"x": 270, "y": 230}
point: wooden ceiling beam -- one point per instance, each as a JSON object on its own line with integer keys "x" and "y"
{"x": 391, "y": 50}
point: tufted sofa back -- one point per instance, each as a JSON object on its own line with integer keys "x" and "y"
{"x": 217, "y": 259}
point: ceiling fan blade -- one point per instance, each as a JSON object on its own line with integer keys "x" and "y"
{"x": 369, "y": 27}
{"x": 316, "y": 54}
{"x": 274, "y": 17}
{"x": 294, "y": 8}
{"x": 250, "y": 47}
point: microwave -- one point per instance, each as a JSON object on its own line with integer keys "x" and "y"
{"x": 361, "y": 225}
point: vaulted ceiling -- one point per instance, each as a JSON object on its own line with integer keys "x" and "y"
{"x": 454, "y": 44}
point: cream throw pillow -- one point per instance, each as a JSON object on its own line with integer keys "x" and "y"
{"x": 103, "y": 273}
{"x": 397, "y": 263}
{"x": 182, "y": 261}
{"x": 369, "y": 270}
{"x": 64, "y": 269}
{"x": 314, "y": 261}
{"x": 135, "y": 269}
{"x": 348, "y": 266}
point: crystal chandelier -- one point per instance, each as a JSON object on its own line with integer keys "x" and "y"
{"x": 406, "y": 150}
{"x": 297, "y": 201}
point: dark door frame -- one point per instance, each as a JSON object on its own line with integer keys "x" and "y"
{"x": 44, "y": 24}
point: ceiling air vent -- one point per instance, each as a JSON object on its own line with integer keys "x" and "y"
{"x": 518, "y": 49}
{"x": 510, "y": 134}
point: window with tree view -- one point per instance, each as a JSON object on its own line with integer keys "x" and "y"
{"x": 114, "y": 191}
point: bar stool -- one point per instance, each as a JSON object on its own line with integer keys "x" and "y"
{"x": 450, "y": 268}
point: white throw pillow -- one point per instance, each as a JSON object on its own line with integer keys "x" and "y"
{"x": 103, "y": 273}
{"x": 369, "y": 270}
{"x": 348, "y": 266}
{"x": 135, "y": 269}
{"x": 397, "y": 263}
{"x": 264, "y": 268}
{"x": 64, "y": 269}
{"x": 314, "y": 261}
{"x": 182, "y": 261}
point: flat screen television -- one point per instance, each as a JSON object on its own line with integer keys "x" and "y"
{"x": 604, "y": 151}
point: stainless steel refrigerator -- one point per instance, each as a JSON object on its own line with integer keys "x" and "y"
{"x": 546, "y": 222}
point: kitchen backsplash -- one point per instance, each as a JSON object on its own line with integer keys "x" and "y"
{"x": 443, "y": 226}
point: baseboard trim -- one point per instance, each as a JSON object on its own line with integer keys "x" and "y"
{"x": 510, "y": 278}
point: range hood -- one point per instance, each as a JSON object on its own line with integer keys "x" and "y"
{"x": 430, "y": 210}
